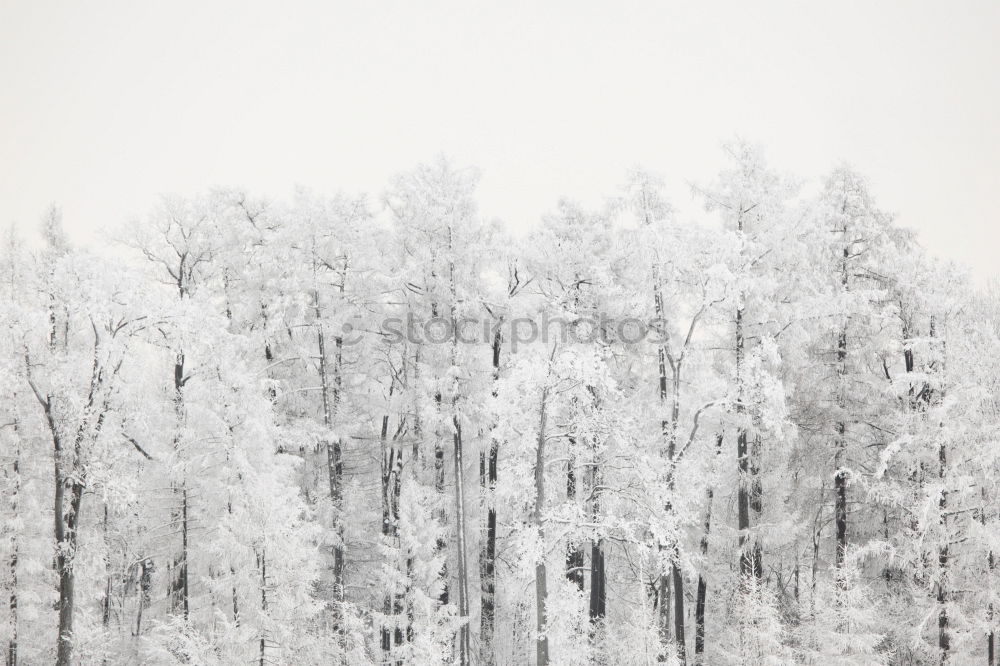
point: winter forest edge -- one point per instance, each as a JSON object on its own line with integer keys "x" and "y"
{"x": 383, "y": 430}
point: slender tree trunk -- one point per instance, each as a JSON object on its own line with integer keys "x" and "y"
{"x": 487, "y": 557}
{"x": 464, "y": 643}
{"x": 464, "y": 646}
{"x": 541, "y": 593}
{"x": 699, "y": 608}
{"x": 334, "y": 458}
{"x": 663, "y": 605}
{"x": 64, "y": 529}
{"x": 263, "y": 605}
{"x": 414, "y": 458}
{"x": 185, "y": 596}
{"x": 598, "y": 589}
{"x": 991, "y": 564}
{"x": 598, "y": 593}
{"x": 816, "y": 534}
{"x": 15, "y": 547}
{"x": 439, "y": 476}
{"x": 663, "y": 589}
{"x": 388, "y": 464}
{"x": 748, "y": 491}
{"x": 392, "y": 470}
{"x": 574, "y": 551}
{"x": 944, "y": 632}
{"x": 678, "y": 585}
{"x": 441, "y": 544}
{"x": 756, "y": 503}
{"x": 840, "y": 476}
{"x": 66, "y": 542}
{"x": 108, "y": 583}
{"x": 677, "y": 579}
{"x": 179, "y": 586}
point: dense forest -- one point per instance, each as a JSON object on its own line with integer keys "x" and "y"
{"x": 347, "y": 429}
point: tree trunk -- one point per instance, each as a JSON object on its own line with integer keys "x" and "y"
{"x": 840, "y": 477}
{"x": 663, "y": 589}
{"x": 392, "y": 472}
{"x": 678, "y": 585}
{"x": 66, "y": 542}
{"x": 756, "y": 504}
{"x": 263, "y": 605}
{"x": 185, "y": 598}
{"x": 14, "y": 548}
{"x": 334, "y": 459}
{"x": 663, "y": 607}
{"x": 749, "y": 490}
{"x": 944, "y": 633}
{"x": 108, "y": 582}
{"x": 388, "y": 525}
{"x": 574, "y": 551}
{"x": 442, "y": 543}
{"x": 464, "y": 643}
{"x": 64, "y": 530}
{"x": 487, "y": 557}
{"x": 699, "y": 608}
{"x": 541, "y": 593}
{"x": 464, "y": 647}
{"x": 414, "y": 458}
{"x": 179, "y": 586}
{"x": 991, "y": 564}
{"x": 598, "y": 592}
{"x": 598, "y": 589}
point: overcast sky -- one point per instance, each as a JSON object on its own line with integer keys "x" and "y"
{"x": 106, "y": 104}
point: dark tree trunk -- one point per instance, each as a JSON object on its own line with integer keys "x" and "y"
{"x": 598, "y": 593}
{"x": 414, "y": 458}
{"x": 334, "y": 460}
{"x": 574, "y": 551}
{"x": 388, "y": 462}
{"x": 756, "y": 503}
{"x": 185, "y": 598}
{"x": 66, "y": 540}
{"x": 15, "y": 550}
{"x": 663, "y": 607}
{"x": 442, "y": 544}
{"x": 991, "y": 635}
{"x": 840, "y": 477}
{"x": 464, "y": 643}
{"x": 487, "y": 558}
{"x": 699, "y": 608}
{"x": 108, "y": 583}
{"x": 598, "y": 590}
{"x": 392, "y": 471}
{"x": 678, "y": 584}
{"x": 541, "y": 593}
{"x": 263, "y": 605}
{"x": 179, "y": 585}
{"x": 944, "y": 632}
{"x": 749, "y": 492}
{"x": 64, "y": 530}
{"x": 663, "y": 588}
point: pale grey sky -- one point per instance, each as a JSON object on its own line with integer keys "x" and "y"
{"x": 106, "y": 104}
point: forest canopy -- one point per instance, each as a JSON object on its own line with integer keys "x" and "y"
{"x": 347, "y": 429}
